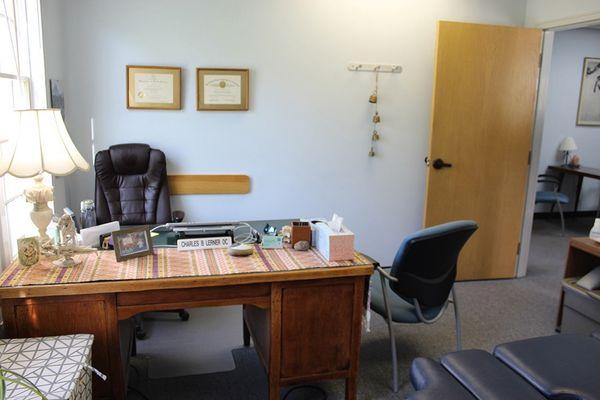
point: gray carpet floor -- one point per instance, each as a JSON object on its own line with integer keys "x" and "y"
{"x": 492, "y": 312}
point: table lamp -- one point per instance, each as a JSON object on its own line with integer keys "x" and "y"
{"x": 40, "y": 143}
{"x": 567, "y": 145}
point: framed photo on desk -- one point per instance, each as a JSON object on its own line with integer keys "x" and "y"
{"x": 132, "y": 243}
{"x": 222, "y": 89}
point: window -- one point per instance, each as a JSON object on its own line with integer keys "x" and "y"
{"x": 22, "y": 86}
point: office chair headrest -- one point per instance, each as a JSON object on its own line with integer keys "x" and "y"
{"x": 130, "y": 158}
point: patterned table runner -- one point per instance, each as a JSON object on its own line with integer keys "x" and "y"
{"x": 169, "y": 263}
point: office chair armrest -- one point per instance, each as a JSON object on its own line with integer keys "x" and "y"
{"x": 386, "y": 274}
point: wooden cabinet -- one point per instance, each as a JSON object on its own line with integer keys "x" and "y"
{"x": 583, "y": 256}
{"x": 64, "y": 315}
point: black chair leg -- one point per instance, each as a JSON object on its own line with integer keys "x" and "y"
{"x": 246, "y": 334}
{"x": 183, "y": 315}
{"x": 140, "y": 333}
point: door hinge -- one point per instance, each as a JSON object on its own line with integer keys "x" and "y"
{"x": 529, "y": 158}
{"x": 519, "y": 249}
{"x": 540, "y": 60}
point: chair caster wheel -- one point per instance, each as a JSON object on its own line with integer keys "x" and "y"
{"x": 140, "y": 335}
{"x": 184, "y": 315}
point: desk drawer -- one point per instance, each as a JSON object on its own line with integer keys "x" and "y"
{"x": 170, "y": 296}
{"x": 580, "y": 301}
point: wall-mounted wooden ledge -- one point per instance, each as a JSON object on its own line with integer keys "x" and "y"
{"x": 209, "y": 184}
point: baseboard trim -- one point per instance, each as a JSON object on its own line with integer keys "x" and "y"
{"x": 568, "y": 214}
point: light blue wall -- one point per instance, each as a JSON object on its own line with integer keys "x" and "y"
{"x": 305, "y": 140}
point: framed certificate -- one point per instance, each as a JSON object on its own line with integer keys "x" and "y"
{"x": 153, "y": 88}
{"x": 222, "y": 89}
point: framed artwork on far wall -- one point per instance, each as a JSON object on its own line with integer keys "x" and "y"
{"x": 153, "y": 88}
{"x": 588, "y": 113}
{"x": 222, "y": 89}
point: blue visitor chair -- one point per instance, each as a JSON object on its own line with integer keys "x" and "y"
{"x": 416, "y": 288}
{"x": 553, "y": 197}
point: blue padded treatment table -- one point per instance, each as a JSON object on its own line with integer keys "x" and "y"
{"x": 559, "y": 367}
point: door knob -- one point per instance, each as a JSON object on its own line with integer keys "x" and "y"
{"x": 439, "y": 164}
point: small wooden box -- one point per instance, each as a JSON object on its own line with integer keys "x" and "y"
{"x": 300, "y": 232}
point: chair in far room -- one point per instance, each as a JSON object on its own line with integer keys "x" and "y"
{"x": 416, "y": 288}
{"x": 553, "y": 197}
{"x": 132, "y": 188}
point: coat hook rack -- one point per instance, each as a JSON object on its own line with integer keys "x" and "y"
{"x": 365, "y": 67}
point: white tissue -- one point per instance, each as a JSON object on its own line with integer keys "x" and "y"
{"x": 336, "y": 223}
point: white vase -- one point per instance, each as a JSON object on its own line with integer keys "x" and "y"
{"x": 41, "y": 215}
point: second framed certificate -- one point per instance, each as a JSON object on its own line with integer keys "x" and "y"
{"x": 222, "y": 89}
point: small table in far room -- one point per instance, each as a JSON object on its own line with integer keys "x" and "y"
{"x": 581, "y": 172}
{"x": 303, "y": 313}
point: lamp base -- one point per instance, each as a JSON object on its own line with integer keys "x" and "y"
{"x": 40, "y": 194}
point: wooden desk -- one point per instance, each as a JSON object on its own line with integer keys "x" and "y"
{"x": 583, "y": 256}
{"x": 581, "y": 172}
{"x": 306, "y": 324}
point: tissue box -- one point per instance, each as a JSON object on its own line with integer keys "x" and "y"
{"x": 333, "y": 246}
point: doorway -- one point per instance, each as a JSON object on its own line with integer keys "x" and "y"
{"x": 565, "y": 90}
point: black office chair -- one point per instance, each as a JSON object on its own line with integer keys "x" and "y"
{"x": 131, "y": 187}
{"x": 421, "y": 279}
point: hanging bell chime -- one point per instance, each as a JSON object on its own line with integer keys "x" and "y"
{"x": 375, "y": 136}
{"x": 373, "y": 98}
{"x": 376, "y": 118}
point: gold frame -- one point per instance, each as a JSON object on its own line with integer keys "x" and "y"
{"x": 244, "y": 73}
{"x": 126, "y": 232}
{"x": 175, "y": 71}
{"x": 580, "y": 122}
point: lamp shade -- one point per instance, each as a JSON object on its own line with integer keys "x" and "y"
{"x": 40, "y": 143}
{"x": 568, "y": 144}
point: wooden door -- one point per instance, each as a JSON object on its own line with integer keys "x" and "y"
{"x": 483, "y": 114}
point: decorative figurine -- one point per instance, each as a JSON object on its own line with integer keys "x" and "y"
{"x": 64, "y": 251}
{"x": 66, "y": 228}
{"x": 376, "y": 118}
{"x": 286, "y": 232}
{"x": 29, "y": 251}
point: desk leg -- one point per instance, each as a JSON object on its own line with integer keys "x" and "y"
{"x": 359, "y": 299}
{"x": 246, "y": 331}
{"x": 275, "y": 352}
{"x": 578, "y": 193}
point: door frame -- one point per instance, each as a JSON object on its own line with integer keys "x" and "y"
{"x": 540, "y": 111}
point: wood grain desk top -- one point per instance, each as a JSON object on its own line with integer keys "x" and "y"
{"x": 179, "y": 283}
{"x": 583, "y": 171}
